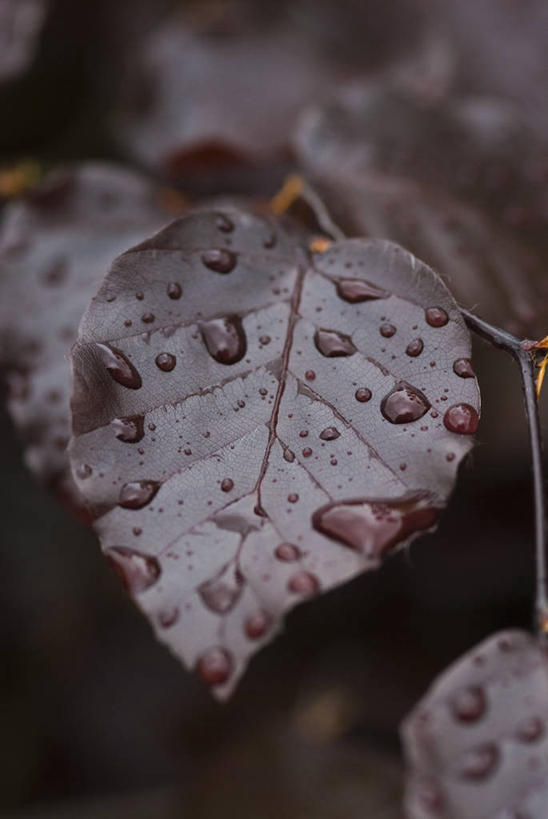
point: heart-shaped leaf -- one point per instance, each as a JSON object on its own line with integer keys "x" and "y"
{"x": 477, "y": 743}
{"x": 270, "y": 424}
{"x": 54, "y": 248}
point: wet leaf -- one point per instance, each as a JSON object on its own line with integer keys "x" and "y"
{"x": 460, "y": 184}
{"x": 291, "y": 443}
{"x": 55, "y": 246}
{"x": 477, "y": 743}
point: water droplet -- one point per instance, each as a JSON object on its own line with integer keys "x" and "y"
{"x": 387, "y": 330}
{"x": 219, "y": 260}
{"x": 148, "y": 318}
{"x": 479, "y": 762}
{"x": 469, "y": 704}
{"x": 224, "y": 224}
{"x": 289, "y": 455}
{"x": 373, "y": 527}
{"x": 168, "y": 617}
{"x": 265, "y": 339}
{"x": 293, "y": 497}
{"x": 356, "y": 290}
{"x": 329, "y": 434}
{"x": 530, "y": 730}
{"x": 139, "y": 296}
{"x": 225, "y": 339}
{"x": 333, "y": 344}
{"x": 119, "y": 367}
{"x": 461, "y": 418}
{"x": 430, "y": 797}
{"x": 404, "y": 404}
{"x": 227, "y": 484}
{"x": 174, "y": 290}
{"x": 214, "y": 666}
{"x": 363, "y": 395}
{"x": 287, "y": 552}
{"x": 436, "y": 316}
{"x": 222, "y": 592}
{"x": 415, "y": 347}
{"x": 83, "y": 471}
{"x": 137, "y": 571}
{"x": 303, "y": 583}
{"x": 136, "y": 494}
{"x": 307, "y": 452}
{"x": 310, "y": 375}
{"x": 166, "y": 362}
{"x": 463, "y": 367}
{"x": 256, "y": 625}
{"x": 450, "y": 456}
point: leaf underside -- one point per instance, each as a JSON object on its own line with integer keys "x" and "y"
{"x": 477, "y": 744}
{"x": 271, "y": 424}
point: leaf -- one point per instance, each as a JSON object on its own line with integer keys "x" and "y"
{"x": 458, "y": 184}
{"x": 477, "y": 743}
{"x": 252, "y": 442}
{"x": 54, "y": 248}
{"x": 20, "y": 25}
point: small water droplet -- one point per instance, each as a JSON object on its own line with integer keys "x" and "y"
{"x": 289, "y": 455}
{"x": 224, "y": 224}
{"x": 227, "y": 484}
{"x": 387, "y": 330}
{"x": 461, "y": 418}
{"x": 303, "y": 583}
{"x": 256, "y": 625}
{"x": 530, "y": 730}
{"x": 220, "y": 260}
{"x": 357, "y": 290}
{"x": 415, "y": 347}
{"x": 292, "y": 497}
{"x": 479, "y": 762}
{"x": 265, "y": 339}
{"x": 148, "y": 318}
{"x": 463, "y": 368}
{"x": 436, "y": 316}
{"x": 307, "y": 452}
{"x": 469, "y": 704}
{"x": 174, "y": 290}
{"x": 222, "y": 592}
{"x": 119, "y": 367}
{"x": 329, "y": 434}
{"x": 225, "y": 339}
{"x": 363, "y": 395}
{"x": 404, "y": 404}
{"x": 166, "y": 362}
{"x": 136, "y": 494}
{"x": 287, "y": 552}
{"x": 139, "y": 296}
{"x": 450, "y": 456}
{"x": 214, "y": 666}
{"x": 373, "y": 527}
{"x": 137, "y": 571}
{"x": 83, "y": 471}
{"x": 168, "y": 617}
{"x": 332, "y": 344}
{"x": 310, "y": 375}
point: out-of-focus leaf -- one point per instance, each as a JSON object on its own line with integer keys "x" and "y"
{"x": 270, "y": 424}
{"x": 20, "y": 25}
{"x": 55, "y": 246}
{"x": 477, "y": 743}
{"x": 457, "y": 184}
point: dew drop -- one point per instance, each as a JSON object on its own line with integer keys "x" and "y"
{"x": 287, "y": 552}
{"x": 430, "y": 797}
{"x": 463, "y": 368}
{"x": 461, "y": 418}
{"x": 137, "y": 571}
{"x": 329, "y": 434}
{"x": 307, "y": 452}
{"x": 479, "y": 762}
{"x": 119, "y": 367}
{"x": 174, "y": 290}
{"x": 404, "y": 404}
{"x": 292, "y": 497}
{"x": 332, "y": 344}
{"x": 310, "y": 375}
{"x": 214, "y": 666}
{"x": 227, "y": 484}
{"x": 136, "y": 494}
{"x": 415, "y": 347}
{"x": 469, "y": 704}
{"x": 373, "y": 527}
{"x": 530, "y": 730}
{"x": 166, "y": 362}
{"x": 387, "y": 330}
{"x": 83, "y": 471}
{"x": 303, "y": 583}
{"x": 357, "y": 290}
{"x": 168, "y": 617}
{"x": 224, "y": 224}
{"x": 223, "y": 592}
{"x": 363, "y": 395}
{"x": 289, "y": 455}
{"x": 436, "y": 316}
{"x": 225, "y": 339}
{"x": 148, "y": 318}
{"x": 256, "y": 625}
{"x": 265, "y": 340}
{"x": 220, "y": 260}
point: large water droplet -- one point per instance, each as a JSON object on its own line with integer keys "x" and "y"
{"x": 415, "y": 347}
{"x": 357, "y": 290}
{"x": 129, "y": 430}
{"x": 436, "y": 316}
{"x": 333, "y": 344}
{"x": 461, "y": 418}
{"x": 138, "y": 571}
{"x": 174, "y": 290}
{"x": 469, "y": 704}
{"x": 225, "y": 339}
{"x": 220, "y": 260}
{"x": 329, "y": 434}
{"x": 303, "y": 583}
{"x": 479, "y": 762}
{"x": 136, "y": 494}
{"x": 166, "y": 362}
{"x": 222, "y": 592}
{"x": 256, "y": 625}
{"x": 119, "y": 367}
{"x": 227, "y": 484}
{"x": 463, "y": 367}
{"x": 387, "y": 330}
{"x": 287, "y": 552}
{"x": 214, "y": 666}
{"x": 404, "y": 404}
{"x": 373, "y": 527}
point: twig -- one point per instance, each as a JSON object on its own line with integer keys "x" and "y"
{"x": 520, "y": 351}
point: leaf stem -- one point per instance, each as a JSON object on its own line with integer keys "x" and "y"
{"x": 520, "y": 351}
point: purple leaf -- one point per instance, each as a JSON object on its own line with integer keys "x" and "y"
{"x": 54, "y": 249}
{"x": 477, "y": 743}
{"x": 292, "y": 442}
